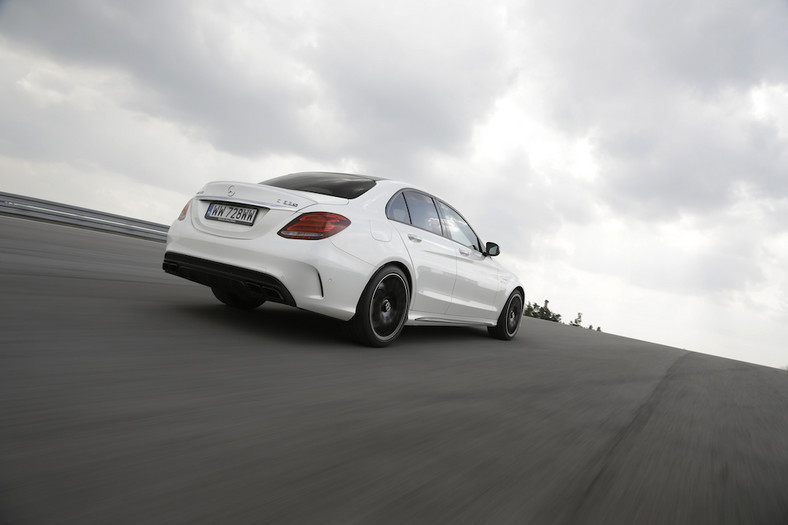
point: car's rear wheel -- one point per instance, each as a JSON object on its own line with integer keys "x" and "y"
{"x": 236, "y": 299}
{"x": 509, "y": 320}
{"x": 383, "y": 308}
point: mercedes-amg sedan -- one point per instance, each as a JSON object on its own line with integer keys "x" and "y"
{"x": 377, "y": 253}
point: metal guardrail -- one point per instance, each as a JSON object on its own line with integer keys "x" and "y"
{"x": 11, "y": 204}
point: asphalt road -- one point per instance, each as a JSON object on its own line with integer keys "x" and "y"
{"x": 130, "y": 396}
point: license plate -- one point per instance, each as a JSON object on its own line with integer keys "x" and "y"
{"x": 219, "y": 211}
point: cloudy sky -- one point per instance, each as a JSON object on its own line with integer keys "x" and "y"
{"x": 631, "y": 158}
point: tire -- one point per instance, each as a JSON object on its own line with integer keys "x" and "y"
{"x": 240, "y": 300}
{"x": 509, "y": 320}
{"x": 383, "y": 308}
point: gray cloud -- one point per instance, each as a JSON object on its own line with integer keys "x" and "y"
{"x": 182, "y": 63}
{"x": 391, "y": 91}
{"x": 688, "y": 163}
{"x": 410, "y": 79}
{"x": 657, "y": 89}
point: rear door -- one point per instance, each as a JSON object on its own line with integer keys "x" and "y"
{"x": 415, "y": 217}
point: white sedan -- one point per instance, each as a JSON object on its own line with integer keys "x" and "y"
{"x": 378, "y": 253}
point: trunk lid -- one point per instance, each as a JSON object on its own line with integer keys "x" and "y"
{"x": 246, "y": 210}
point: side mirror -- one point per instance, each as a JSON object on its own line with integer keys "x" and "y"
{"x": 492, "y": 249}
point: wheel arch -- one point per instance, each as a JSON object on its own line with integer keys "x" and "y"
{"x": 405, "y": 270}
{"x": 508, "y": 294}
{"x": 401, "y": 265}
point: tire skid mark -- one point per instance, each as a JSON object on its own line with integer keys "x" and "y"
{"x": 600, "y": 464}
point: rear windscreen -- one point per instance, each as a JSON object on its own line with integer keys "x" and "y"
{"x": 341, "y": 185}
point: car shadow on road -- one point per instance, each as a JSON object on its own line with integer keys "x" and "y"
{"x": 283, "y": 324}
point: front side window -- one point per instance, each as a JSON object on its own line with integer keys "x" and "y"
{"x": 457, "y": 229}
{"x": 423, "y": 213}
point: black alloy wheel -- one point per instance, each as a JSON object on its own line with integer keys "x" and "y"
{"x": 509, "y": 320}
{"x": 383, "y": 307}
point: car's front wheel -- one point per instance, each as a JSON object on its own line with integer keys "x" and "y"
{"x": 383, "y": 307}
{"x": 509, "y": 320}
{"x": 237, "y": 299}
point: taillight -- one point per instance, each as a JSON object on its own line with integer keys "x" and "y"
{"x": 314, "y": 226}
{"x": 184, "y": 211}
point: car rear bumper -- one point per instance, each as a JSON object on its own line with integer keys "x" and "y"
{"x": 214, "y": 274}
{"x": 312, "y": 275}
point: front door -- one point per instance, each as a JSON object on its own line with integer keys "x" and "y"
{"x": 477, "y": 289}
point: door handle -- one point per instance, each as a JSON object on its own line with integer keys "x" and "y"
{"x": 465, "y": 252}
{"x": 414, "y": 238}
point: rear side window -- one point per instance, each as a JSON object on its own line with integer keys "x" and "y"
{"x": 423, "y": 213}
{"x": 397, "y": 210}
{"x": 341, "y": 185}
